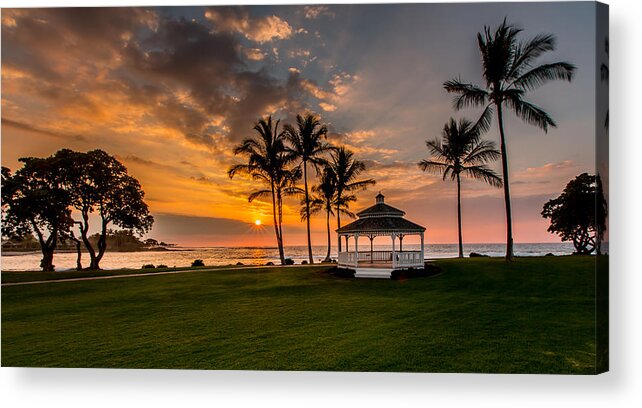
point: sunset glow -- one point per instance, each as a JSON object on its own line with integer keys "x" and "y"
{"x": 170, "y": 92}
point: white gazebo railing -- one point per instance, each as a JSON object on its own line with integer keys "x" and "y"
{"x": 406, "y": 259}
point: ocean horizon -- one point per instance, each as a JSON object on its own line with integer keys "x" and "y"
{"x": 220, "y": 256}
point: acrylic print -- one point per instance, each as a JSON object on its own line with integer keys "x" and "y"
{"x": 400, "y": 187}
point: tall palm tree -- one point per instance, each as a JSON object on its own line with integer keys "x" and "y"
{"x": 344, "y": 168}
{"x": 267, "y": 161}
{"x": 509, "y": 70}
{"x": 462, "y": 152}
{"x": 325, "y": 199}
{"x": 307, "y": 146}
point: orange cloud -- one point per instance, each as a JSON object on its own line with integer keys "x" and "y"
{"x": 238, "y": 20}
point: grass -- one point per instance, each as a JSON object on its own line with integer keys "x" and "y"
{"x": 534, "y": 315}
{"x": 31, "y": 276}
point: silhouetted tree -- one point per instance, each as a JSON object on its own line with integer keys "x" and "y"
{"x": 325, "y": 199}
{"x": 604, "y": 75}
{"x": 579, "y": 213}
{"x": 267, "y": 161}
{"x": 344, "y": 168}
{"x": 509, "y": 70}
{"x": 34, "y": 200}
{"x": 307, "y": 146}
{"x": 99, "y": 183}
{"x": 462, "y": 152}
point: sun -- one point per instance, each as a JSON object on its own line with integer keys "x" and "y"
{"x": 257, "y": 222}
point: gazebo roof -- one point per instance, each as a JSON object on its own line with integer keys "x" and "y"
{"x": 381, "y": 218}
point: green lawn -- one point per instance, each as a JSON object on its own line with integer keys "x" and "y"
{"x": 478, "y": 315}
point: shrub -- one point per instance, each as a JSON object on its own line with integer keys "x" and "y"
{"x": 198, "y": 262}
{"x": 162, "y": 266}
{"x": 289, "y": 261}
{"x": 148, "y": 266}
{"x": 304, "y": 262}
{"x": 476, "y": 255}
{"x": 239, "y": 263}
{"x": 269, "y": 263}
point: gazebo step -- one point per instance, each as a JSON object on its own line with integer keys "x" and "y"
{"x": 373, "y": 273}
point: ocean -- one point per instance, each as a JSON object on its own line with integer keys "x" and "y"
{"x": 214, "y": 256}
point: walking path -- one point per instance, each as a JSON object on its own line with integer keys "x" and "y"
{"x": 135, "y": 275}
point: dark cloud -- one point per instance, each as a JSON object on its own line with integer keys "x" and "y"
{"x": 24, "y": 126}
{"x": 183, "y": 74}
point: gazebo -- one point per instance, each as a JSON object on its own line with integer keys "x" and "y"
{"x": 380, "y": 220}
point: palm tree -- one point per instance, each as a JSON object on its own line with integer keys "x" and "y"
{"x": 325, "y": 199}
{"x": 307, "y": 146}
{"x": 345, "y": 169}
{"x": 462, "y": 152}
{"x": 267, "y": 161}
{"x": 509, "y": 70}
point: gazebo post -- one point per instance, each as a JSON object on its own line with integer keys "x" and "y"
{"x": 356, "y": 250}
{"x": 422, "y": 247}
{"x": 401, "y": 242}
{"x": 371, "y": 247}
{"x": 394, "y": 236}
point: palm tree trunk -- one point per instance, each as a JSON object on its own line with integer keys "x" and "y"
{"x": 307, "y": 211}
{"x": 279, "y": 243}
{"x": 339, "y": 220}
{"x": 509, "y": 218}
{"x": 327, "y": 222}
{"x": 461, "y": 244}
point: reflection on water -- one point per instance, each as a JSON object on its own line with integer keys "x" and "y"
{"x": 257, "y": 256}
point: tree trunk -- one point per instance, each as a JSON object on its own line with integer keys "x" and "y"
{"x": 279, "y": 243}
{"x": 79, "y": 255}
{"x": 84, "y": 230}
{"x": 307, "y": 211}
{"x": 461, "y": 243}
{"x": 509, "y": 217}
{"x": 327, "y": 221}
{"x": 339, "y": 220}
{"x": 47, "y": 258}
{"x": 102, "y": 245}
{"x": 47, "y": 248}
{"x": 279, "y": 201}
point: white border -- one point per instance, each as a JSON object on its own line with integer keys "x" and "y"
{"x": 54, "y": 388}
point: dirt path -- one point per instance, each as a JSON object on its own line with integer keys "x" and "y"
{"x": 136, "y": 275}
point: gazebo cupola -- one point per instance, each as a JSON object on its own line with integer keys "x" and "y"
{"x": 380, "y": 219}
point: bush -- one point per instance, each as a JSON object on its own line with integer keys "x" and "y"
{"x": 161, "y": 266}
{"x": 148, "y": 266}
{"x": 269, "y": 263}
{"x": 289, "y": 261}
{"x": 198, "y": 262}
{"x": 476, "y": 255}
{"x": 304, "y": 262}
{"x": 239, "y": 263}
{"x": 549, "y": 254}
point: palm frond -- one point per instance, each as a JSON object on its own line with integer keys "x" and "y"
{"x": 469, "y": 94}
{"x": 258, "y": 194}
{"x": 484, "y": 173}
{"x": 541, "y": 74}
{"x": 433, "y": 167}
{"x": 529, "y": 112}
{"x": 483, "y": 152}
{"x": 485, "y": 120}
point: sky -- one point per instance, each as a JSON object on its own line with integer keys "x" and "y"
{"x": 170, "y": 91}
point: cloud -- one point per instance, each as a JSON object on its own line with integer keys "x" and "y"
{"x": 314, "y": 12}
{"x": 328, "y": 107}
{"x": 238, "y": 20}
{"x": 24, "y": 126}
{"x": 144, "y": 74}
{"x": 254, "y": 54}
